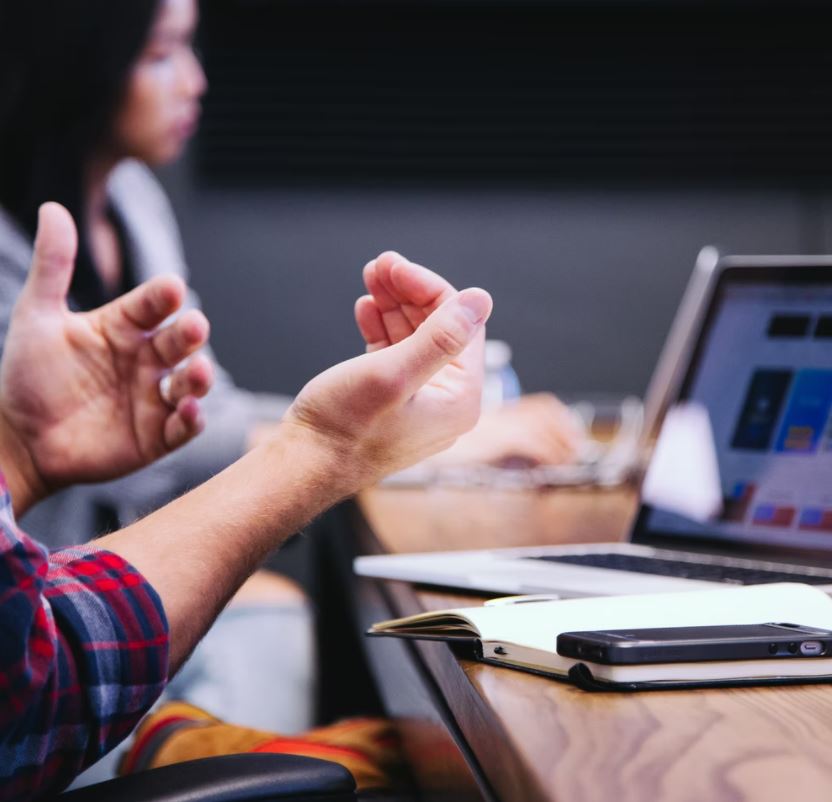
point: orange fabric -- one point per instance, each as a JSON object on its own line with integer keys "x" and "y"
{"x": 366, "y": 747}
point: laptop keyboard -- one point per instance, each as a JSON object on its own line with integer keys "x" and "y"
{"x": 711, "y": 572}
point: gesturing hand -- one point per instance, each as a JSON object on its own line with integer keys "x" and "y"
{"x": 537, "y": 429}
{"x": 417, "y": 389}
{"x": 401, "y": 297}
{"x": 79, "y": 392}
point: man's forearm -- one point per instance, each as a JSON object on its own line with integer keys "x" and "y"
{"x": 197, "y": 550}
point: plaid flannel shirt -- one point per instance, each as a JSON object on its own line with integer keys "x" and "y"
{"x": 83, "y": 655}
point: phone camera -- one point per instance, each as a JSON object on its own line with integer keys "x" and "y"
{"x": 793, "y": 647}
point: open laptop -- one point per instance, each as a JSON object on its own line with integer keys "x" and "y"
{"x": 760, "y": 372}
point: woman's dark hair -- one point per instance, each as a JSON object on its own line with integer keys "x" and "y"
{"x": 64, "y": 66}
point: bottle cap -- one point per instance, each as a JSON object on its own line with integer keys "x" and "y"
{"x": 497, "y": 354}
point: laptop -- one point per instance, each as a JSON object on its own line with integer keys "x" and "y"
{"x": 754, "y": 398}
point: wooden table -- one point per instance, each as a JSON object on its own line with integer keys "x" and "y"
{"x": 474, "y": 731}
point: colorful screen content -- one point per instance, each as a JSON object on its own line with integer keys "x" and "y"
{"x": 764, "y": 376}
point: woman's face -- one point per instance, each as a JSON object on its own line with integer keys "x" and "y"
{"x": 161, "y": 107}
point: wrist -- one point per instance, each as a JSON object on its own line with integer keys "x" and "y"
{"x": 23, "y": 479}
{"x": 326, "y": 465}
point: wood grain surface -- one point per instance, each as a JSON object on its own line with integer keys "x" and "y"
{"x": 540, "y": 739}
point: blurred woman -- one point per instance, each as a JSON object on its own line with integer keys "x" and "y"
{"x": 91, "y": 93}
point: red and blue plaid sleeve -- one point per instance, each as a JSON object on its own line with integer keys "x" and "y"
{"x": 83, "y": 655}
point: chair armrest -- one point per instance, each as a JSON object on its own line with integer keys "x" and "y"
{"x": 231, "y": 778}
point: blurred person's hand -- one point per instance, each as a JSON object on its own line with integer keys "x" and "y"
{"x": 80, "y": 396}
{"x": 536, "y": 429}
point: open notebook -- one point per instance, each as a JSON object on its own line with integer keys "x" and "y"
{"x": 522, "y": 633}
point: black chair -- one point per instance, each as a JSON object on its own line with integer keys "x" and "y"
{"x": 231, "y": 778}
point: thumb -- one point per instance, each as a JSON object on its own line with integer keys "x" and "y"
{"x": 56, "y": 246}
{"x": 441, "y": 339}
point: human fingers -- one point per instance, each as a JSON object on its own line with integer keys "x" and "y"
{"x": 535, "y": 449}
{"x": 374, "y": 287}
{"x": 56, "y": 245}
{"x": 385, "y": 264}
{"x": 527, "y": 431}
{"x": 536, "y": 429}
{"x": 419, "y": 286}
{"x": 191, "y": 379}
{"x": 183, "y": 424}
{"x": 418, "y": 290}
{"x": 148, "y": 305}
{"x": 181, "y": 338}
{"x": 441, "y": 339}
{"x": 553, "y": 425}
{"x": 370, "y": 323}
{"x": 396, "y": 323}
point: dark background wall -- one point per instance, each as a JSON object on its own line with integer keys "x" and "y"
{"x": 571, "y": 159}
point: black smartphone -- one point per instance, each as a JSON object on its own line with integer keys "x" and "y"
{"x": 692, "y": 644}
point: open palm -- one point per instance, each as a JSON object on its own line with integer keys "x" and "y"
{"x": 80, "y": 391}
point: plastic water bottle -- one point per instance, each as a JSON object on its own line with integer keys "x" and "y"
{"x": 501, "y": 382}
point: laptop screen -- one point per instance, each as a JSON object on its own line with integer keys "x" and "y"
{"x": 757, "y": 399}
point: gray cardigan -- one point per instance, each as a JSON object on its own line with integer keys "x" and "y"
{"x": 153, "y": 239}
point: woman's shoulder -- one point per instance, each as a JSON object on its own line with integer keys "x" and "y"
{"x": 148, "y": 219}
{"x": 133, "y": 182}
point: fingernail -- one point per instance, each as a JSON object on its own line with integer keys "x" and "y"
{"x": 476, "y": 304}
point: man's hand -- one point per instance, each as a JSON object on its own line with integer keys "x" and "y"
{"x": 80, "y": 398}
{"x": 417, "y": 389}
{"x": 534, "y": 430}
